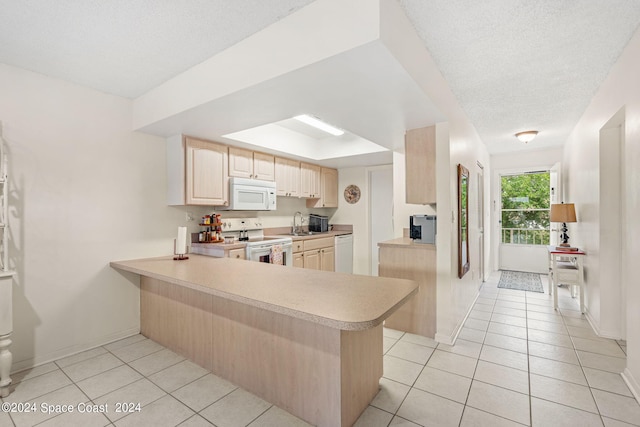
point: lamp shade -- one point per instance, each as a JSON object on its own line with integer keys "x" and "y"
{"x": 565, "y": 212}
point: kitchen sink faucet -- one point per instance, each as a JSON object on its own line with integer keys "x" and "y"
{"x": 296, "y": 228}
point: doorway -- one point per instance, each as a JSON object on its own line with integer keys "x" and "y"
{"x": 609, "y": 292}
{"x": 523, "y": 221}
{"x": 481, "y": 257}
{"x": 380, "y": 211}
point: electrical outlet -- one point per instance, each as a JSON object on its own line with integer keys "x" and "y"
{"x": 189, "y": 216}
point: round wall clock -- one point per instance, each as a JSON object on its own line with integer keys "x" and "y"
{"x": 352, "y": 194}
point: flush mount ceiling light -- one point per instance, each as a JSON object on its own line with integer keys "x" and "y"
{"x": 319, "y": 124}
{"x": 526, "y": 136}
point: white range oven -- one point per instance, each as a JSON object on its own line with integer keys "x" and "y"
{"x": 263, "y": 250}
{"x": 259, "y": 247}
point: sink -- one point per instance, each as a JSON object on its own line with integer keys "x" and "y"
{"x": 303, "y": 233}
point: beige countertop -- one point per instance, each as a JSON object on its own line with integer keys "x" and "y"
{"x": 338, "y": 300}
{"x": 406, "y": 242}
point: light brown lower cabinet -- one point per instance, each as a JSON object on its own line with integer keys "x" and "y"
{"x": 328, "y": 259}
{"x": 236, "y": 253}
{"x": 312, "y": 259}
{"x": 315, "y": 254}
{"x": 403, "y": 259}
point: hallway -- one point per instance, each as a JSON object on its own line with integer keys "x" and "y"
{"x": 516, "y": 362}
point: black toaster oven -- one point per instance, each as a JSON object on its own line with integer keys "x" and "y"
{"x": 318, "y": 223}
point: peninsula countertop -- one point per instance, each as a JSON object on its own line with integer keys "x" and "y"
{"x": 337, "y": 300}
{"x": 407, "y": 243}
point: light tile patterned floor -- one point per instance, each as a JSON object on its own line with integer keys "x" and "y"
{"x": 516, "y": 362}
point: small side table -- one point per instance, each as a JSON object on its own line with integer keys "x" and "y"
{"x": 566, "y": 267}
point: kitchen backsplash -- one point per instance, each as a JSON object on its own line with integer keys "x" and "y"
{"x": 281, "y": 217}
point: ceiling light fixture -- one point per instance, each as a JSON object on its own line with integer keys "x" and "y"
{"x": 526, "y": 136}
{"x": 319, "y": 124}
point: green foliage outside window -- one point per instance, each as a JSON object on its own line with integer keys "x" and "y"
{"x": 525, "y": 208}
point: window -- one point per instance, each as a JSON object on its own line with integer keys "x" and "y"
{"x": 525, "y": 208}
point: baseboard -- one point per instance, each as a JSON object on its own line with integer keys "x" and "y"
{"x": 450, "y": 339}
{"x": 632, "y": 383}
{"x": 592, "y": 322}
{"x": 600, "y": 332}
{"x": 70, "y": 351}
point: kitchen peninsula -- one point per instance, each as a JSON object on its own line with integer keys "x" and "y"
{"x": 404, "y": 258}
{"x": 307, "y": 341}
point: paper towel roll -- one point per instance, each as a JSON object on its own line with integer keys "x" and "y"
{"x": 181, "y": 241}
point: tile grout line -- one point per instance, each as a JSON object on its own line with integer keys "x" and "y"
{"x": 529, "y": 359}
{"x": 395, "y": 414}
{"x": 466, "y": 399}
{"x": 595, "y": 402}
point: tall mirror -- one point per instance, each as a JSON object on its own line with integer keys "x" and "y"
{"x": 463, "y": 220}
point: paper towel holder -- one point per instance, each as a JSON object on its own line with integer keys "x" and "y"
{"x": 179, "y": 257}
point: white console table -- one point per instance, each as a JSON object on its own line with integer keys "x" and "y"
{"x": 565, "y": 267}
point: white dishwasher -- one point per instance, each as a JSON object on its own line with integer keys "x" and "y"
{"x": 344, "y": 253}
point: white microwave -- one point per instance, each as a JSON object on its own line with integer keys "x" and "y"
{"x": 251, "y": 195}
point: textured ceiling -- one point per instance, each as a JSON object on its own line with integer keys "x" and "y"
{"x": 512, "y": 64}
{"x": 516, "y": 65}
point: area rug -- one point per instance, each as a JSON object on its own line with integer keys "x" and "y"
{"x": 521, "y": 281}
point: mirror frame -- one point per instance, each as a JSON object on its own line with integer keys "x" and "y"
{"x": 463, "y": 220}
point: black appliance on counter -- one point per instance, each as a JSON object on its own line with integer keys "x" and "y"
{"x": 422, "y": 228}
{"x": 318, "y": 223}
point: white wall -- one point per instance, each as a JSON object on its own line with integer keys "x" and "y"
{"x": 456, "y": 142}
{"x": 581, "y": 174}
{"x": 85, "y": 190}
{"x": 455, "y": 300}
{"x": 357, "y": 214}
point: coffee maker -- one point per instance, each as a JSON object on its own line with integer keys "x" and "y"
{"x": 423, "y": 228}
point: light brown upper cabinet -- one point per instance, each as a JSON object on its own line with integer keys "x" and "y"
{"x": 206, "y": 177}
{"x": 328, "y": 190}
{"x": 329, "y": 187}
{"x": 198, "y": 173}
{"x": 309, "y": 181}
{"x": 251, "y": 164}
{"x": 287, "y": 176}
{"x": 420, "y": 164}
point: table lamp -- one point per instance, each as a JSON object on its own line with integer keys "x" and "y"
{"x": 564, "y": 213}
